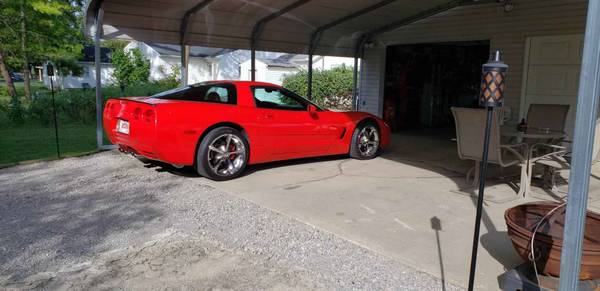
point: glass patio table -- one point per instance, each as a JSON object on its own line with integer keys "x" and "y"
{"x": 532, "y": 133}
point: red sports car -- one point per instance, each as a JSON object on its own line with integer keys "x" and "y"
{"x": 219, "y": 127}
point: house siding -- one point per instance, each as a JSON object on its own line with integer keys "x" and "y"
{"x": 506, "y": 32}
{"x": 371, "y": 81}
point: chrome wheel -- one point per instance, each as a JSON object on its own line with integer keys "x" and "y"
{"x": 226, "y": 155}
{"x": 368, "y": 141}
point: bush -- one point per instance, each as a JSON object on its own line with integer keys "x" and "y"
{"x": 131, "y": 67}
{"x": 331, "y": 88}
{"x": 72, "y": 105}
{"x": 16, "y": 111}
{"x": 3, "y": 113}
{"x": 172, "y": 78}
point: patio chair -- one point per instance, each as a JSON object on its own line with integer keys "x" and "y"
{"x": 552, "y": 116}
{"x": 557, "y": 158}
{"x": 470, "y": 130}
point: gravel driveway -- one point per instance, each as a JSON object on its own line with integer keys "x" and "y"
{"x": 108, "y": 221}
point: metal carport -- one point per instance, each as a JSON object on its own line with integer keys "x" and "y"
{"x": 340, "y": 28}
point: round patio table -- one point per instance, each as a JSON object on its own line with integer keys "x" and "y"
{"x": 532, "y": 133}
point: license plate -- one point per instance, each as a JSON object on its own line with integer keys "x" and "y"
{"x": 123, "y": 126}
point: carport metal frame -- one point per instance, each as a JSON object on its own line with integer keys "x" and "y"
{"x": 583, "y": 143}
{"x": 587, "y": 106}
{"x": 184, "y": 33}
{"x": 98, "y": 15}
{"x": 369, "y": 35}
{"x": 315, "y": 37}
{"x": 259, "y": 27}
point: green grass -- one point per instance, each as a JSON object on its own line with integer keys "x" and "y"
{"x": 35, "y": 142}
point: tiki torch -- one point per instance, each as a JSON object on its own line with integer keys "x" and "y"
{"x": 491, "y": 95}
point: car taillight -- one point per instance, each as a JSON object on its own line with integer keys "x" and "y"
{"x": 149, "y": 115}
{"x": 112, "y": 107}
{"x": 136, "y": 113}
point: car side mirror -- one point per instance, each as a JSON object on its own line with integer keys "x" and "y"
{"x": 312, "y": 108}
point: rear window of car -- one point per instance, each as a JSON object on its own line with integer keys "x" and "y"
{"x": 214, "y": 93}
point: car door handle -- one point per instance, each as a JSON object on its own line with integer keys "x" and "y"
{"x": 268, "y": 116}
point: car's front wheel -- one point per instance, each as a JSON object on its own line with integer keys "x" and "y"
{"x": 365, "y": 141}
{"x": 222, "y": 154}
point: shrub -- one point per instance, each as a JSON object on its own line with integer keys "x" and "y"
{"x": 40, "y": 109}
{"x": 331, "y": 88}
{"x": 16, "y": 111}
{"x": 130, "y": 67}
{"x": 172, "y": 78}
{"x": 4, "y": 120}
{"x": 79, "y": 105}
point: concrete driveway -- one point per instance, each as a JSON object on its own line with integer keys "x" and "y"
{"x": 406, "y": 204}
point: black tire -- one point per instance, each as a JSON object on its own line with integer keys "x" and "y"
{"x": 207, "y": 158}
{"x": 357, "y": 149}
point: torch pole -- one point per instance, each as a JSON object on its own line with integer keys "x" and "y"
{"x": 55, "y": 119}
{"x": 482, "y": 176}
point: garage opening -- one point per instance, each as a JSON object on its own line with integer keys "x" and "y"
{"x": 422, "y": 82}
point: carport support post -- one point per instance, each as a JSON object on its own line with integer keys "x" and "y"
{"x": 583, "y": 140}
{"x": 355, "y": 84}
{"x": 185, "y": 63}
{"x": 252, "y": 63}
{"x": 309, "y": 76}
{"x": 98, "y": 68}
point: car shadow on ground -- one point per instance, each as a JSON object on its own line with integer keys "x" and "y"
{"x": 190, "y": 172}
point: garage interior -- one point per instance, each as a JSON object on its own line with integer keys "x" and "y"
{"x": 422, "y": 82}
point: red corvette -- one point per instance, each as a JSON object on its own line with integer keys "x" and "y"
{"x": 220, "y": 127}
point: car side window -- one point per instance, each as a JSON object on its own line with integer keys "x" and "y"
{"x": 276, "y": 98}
{"x": 215, "y": 93}
{"x": 218, "y": 93}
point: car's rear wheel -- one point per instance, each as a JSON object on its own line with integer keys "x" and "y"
{"x": 222, "y": 154}
{"x": 365, "y": 141}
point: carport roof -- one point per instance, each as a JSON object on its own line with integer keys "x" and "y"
{"x": 288, "y": 26}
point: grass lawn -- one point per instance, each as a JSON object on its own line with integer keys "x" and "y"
{"x": 35, "y": 142}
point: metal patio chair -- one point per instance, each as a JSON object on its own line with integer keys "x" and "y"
{"x": 557, "y": 158}
{"x": 470, "y": 128}
{"x": 550, "y": 116}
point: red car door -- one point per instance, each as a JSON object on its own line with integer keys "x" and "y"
{"x": 287, "y": 127}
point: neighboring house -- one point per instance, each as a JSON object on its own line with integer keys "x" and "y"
{"x": 269, "y": 70}
{"x": 226, "y": 64}
{"x": 205, "y": 64}
{"x": 88, "y": 78}
{"x": 164, "y": 58}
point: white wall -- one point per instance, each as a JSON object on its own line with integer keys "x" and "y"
{"x": 506, "y": 32}
{"x": 229, "y": 66}
{"x": 371, "y": 81}
{"x": 328, "y": 62}
{"x": 88, "y": 76}
{"x": 245, "y": 69}
{"x": 275, "y": 75}
{"x": 162, "y": 65}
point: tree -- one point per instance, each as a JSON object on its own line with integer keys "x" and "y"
{"x": 130, "y": 67}
{"x": 10, "y": 86}
{"x": 331, "y": 88}
{"x": 48, "y": 30}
